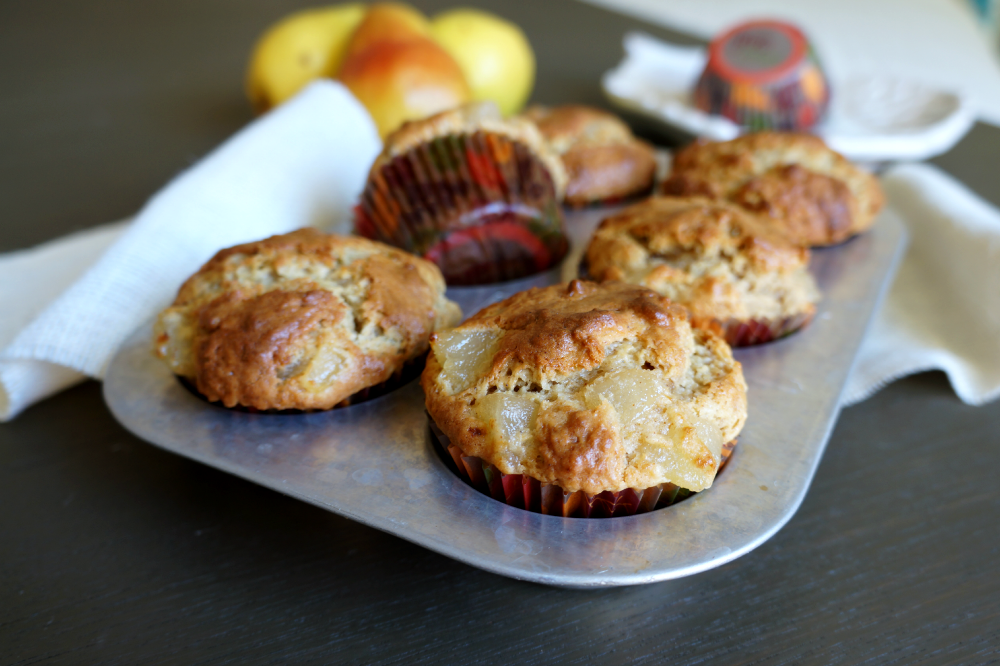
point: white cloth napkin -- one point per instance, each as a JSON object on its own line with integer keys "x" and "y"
{"x": 303, "y": 164}
{"x": 943, "y": 309}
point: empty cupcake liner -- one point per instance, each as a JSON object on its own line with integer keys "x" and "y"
{"x": 764, "y": 75}
{"x": 523, "y": 492}
{"x": 481, "y": 206}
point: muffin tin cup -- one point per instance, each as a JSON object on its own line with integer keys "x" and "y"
{"x": 481, "y": 206}
{"x": 524, "y": 492}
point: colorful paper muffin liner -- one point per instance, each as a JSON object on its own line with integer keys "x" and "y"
{"x": 745, "y": 333}
{"x": 401, "y": 377}
{"x": 481, "y": 206}
{"x": 523, "y": 492}
{"x": 764, "y": 75}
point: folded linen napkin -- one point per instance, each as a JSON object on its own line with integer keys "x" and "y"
{"x": 303, "y": 164}
{"x": 943, "y": 309}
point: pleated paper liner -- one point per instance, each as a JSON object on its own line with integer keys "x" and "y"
{"x": 481, "y": 206}
{"x": 764, "y": 75}
{"x": 745, "y": 333}
{"x": 401, "y": 377}
{"x": 524, "y": 492}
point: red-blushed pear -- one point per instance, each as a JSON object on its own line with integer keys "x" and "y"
{"x": 388, "y": 22}
{"x": 397, "y": 71}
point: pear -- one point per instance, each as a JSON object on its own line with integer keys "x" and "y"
{"x": 300, "y": 48}
{"x": 494, "y": 55}
{"x": 395, "y": 68}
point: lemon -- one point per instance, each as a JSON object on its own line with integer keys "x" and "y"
{"x": 301, "y": 47}
{"x": 493, "y": 53}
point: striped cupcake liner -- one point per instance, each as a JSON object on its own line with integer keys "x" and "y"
{"x": 785, "y": 106}
{"x": 764, "y": 75}
{"x": 481, "y": 206}
{"x": 523, "y": 492}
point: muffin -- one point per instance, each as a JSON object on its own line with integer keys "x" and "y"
{"x": 604, "y": 162}
{"x": 585, "y": 399}
{"x": 818, "y": 196}
{"x": 734, "y": 271}
{"x": 302, "y": 321}
{"x": 474, "y": 193}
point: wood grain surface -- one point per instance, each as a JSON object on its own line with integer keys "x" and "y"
{"x": 115, "y": 552}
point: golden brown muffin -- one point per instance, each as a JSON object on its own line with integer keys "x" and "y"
{"x": 301, "y": 321}
{"x": 732, "y": 270}
{"x": 603, "y": 161}
{"x": 593, "y": 387}
{"x": 817, "y": 194}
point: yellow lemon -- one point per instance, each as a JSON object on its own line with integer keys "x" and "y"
{"x": 493, "y": 53}
{"x": 300, "y": 48}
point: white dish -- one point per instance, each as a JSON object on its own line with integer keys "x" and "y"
{"x": 870, "y": 119}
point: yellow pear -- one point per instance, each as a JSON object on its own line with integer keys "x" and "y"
{"x": 493, "y": 53}
{"x": 301, "y": 47}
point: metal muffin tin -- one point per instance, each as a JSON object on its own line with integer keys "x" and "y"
{"x": 375, "y": 463}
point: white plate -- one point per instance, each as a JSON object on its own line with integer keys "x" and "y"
{"x": 869, "y": 120}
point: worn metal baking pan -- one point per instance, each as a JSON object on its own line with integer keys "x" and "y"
{"x": 374, "y": 462}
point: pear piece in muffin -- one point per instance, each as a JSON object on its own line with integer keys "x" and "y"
{"x": 586, "y": 387}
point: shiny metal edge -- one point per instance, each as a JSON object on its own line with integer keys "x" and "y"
{"x": 374, "y": 462}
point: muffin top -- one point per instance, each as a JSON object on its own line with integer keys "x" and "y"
{"x": 603, "y": 159}
{"x": 820, "y": 197}
{"x": 301, "y": 321}
{"x": 469, "y": 119}
{"x": 713, "y": 257}
{"x": 587, "y": 386}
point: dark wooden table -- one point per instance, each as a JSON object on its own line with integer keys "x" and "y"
{"x": 113, "y": 551}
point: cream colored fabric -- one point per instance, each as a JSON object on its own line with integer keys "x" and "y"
{"x": 943, "y": 309}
